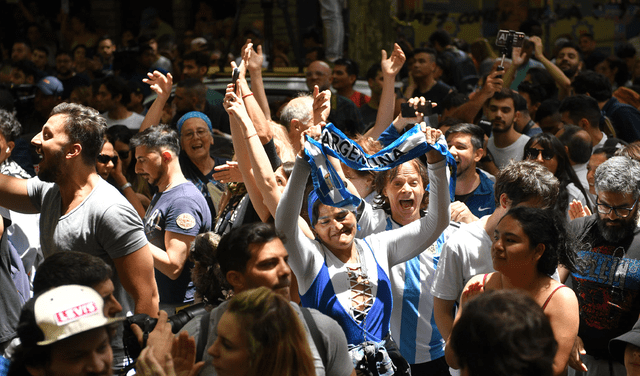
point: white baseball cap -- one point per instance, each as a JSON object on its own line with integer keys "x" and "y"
{"x": 68, "y": 310}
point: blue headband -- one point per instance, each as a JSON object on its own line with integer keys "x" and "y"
{"x": 194, "y": 114}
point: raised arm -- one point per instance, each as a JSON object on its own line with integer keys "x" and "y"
{"x": 468, "y": 111}
{"x": 562, "y": 81}
{"x": 14, "y": 195}
{"x": 253, "y": 108}
{"x": 390, "y": 68}
{"x": 254, "y": 67}
{"x": 161, "y": 85}
{"x": 305, "y": 257}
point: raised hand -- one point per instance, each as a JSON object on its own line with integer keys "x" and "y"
{"x": 394, "y": 63}
{"x": 159, "y": 83}
{"x": 321, "y": 105}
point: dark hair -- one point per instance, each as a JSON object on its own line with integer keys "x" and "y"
{"x": 428, "y": 51}
{"x": 118, "y": 86}
{"x": 543, "y": 78}
{"x": 64, "y": 52}
{"x": 597, "y": 85}
{"x": 157, "y": 137}
{"x": 504, "y": 333}
{"x": 581, "y": 106}
{"x": 477, "y": 134}
{"x": 453, "y": 99}
{"x": 535, "y": 91}
{"x": 588, "y": 35}
{"x": 547, "y": 108}
{"x": 350, "y": 66}
{"x": 549, "y": 228}
{"x": 234, "y": 249}
{"x": 373, "y": 71}
{"x": 625, "y": 50}
{"x": 519, "y": 103}
{"x": 622, "y": 70}
{"x": 529, "y": 25}
{"x": 119, "y": 133}
{"x": 201, "y": 60}
{"x": 70, "y": 268}
{"x": 43, "y": 49}
{"x": 579, "y": 147}
{"x": 524, "y": 180}
{"x": 504, "y": 94}
{"x": 23, "y": 41}
{"x": 10, "y": 128}
{"x": 206, "y": 275}
{"x": 85, "y": 126}
{"x": 570, "y": 44}
{"x": 564, "y": 172}
{"x": 385, "y": 177}
{"x": 441, "y": 37}
{"x": 28, "y": 68}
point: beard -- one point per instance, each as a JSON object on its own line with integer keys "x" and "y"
{"x": 570, "y": 72}
{"x": 621, "y": 229}
{"x": 51, "y": 171}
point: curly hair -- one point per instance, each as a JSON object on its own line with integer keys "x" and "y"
{"x": 385, "y": 177}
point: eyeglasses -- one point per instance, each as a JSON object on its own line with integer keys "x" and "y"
{"x": 620, "y": 212}
{"x": 104, "y": 159}
{"x": 199, "y": 132}
{"x": 532, "y": 153}
{"x": 124, "y": 154}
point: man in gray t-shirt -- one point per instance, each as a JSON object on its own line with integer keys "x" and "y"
{"x": 79, "y": 210}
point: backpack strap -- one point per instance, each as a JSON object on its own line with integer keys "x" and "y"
{"x": 202, "y": 337}
{"x": 315, "y": 335}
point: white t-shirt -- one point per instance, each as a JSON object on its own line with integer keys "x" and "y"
{"x": 132, "y": 122}
{"x": 502, "y": 156}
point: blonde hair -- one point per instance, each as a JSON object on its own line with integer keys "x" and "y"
{"x": 277, "y": 341}
{"x": 282, "y": 142}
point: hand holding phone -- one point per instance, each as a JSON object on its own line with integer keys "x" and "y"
{"x": 234, "y": 79}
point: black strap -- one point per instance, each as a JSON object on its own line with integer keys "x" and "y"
{"x": 202, "y": 338}
{"x": 315, "y": 335}
{"x": 528, "y": 127}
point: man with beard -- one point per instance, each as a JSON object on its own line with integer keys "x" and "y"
{"x": 505, "y": 143}
{"x": 607, "y": 280}
{"x": 79, "y": 210}
{"x": 474, "y": 187}
{"x": 567, "y": 66}
{"x": 177, "y": 213}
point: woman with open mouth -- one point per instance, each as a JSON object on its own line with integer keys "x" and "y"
{"x": 348, "y": 278}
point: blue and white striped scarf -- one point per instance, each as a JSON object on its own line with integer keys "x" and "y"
{"x": 328, "y": 186}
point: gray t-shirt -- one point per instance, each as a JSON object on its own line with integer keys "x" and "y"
{"x": 132, "y": 122}
{"x": 338, "y": 360}
{"x": 104, "y": 225}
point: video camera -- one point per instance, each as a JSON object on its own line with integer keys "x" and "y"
{"x": 507, "y": 39}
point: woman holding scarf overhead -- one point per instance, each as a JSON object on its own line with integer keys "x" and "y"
{"x": 347, "y": 278}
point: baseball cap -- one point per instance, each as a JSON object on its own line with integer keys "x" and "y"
{"x": 618, "y": 344}
{"x": 50, "y": 86}
{"x": 69, "y": 310}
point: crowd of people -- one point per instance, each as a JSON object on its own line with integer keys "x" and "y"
{"x": 482, "y": 218}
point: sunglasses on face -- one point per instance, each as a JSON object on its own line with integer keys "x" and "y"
{"x": 532, "y": 153}
{"x": 104, "y": 159}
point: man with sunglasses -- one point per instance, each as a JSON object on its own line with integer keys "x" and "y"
{"x": 607, "y": 280}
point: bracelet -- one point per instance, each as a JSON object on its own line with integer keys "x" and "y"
{"x": 248, "y": 137}
{"x": 247, "y": 95}
{"x": 127, "y": 185}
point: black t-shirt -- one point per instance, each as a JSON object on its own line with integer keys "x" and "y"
{"x": 606, "y": 284}
{"x": 435, "y": 94}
